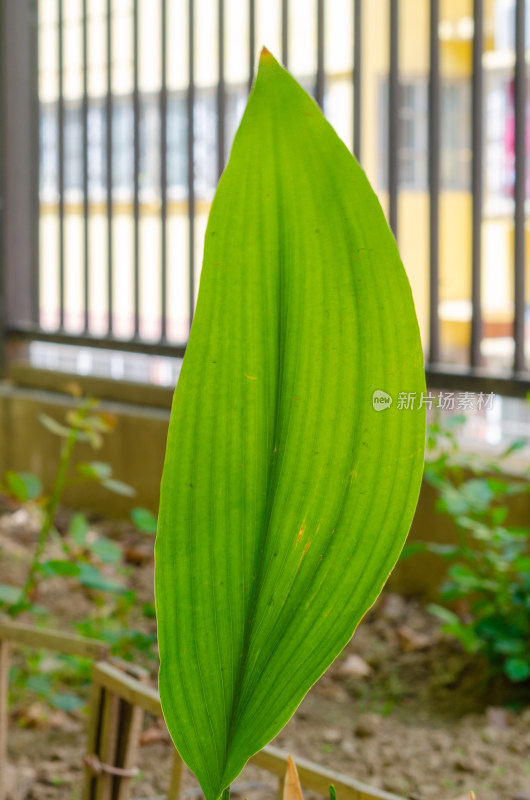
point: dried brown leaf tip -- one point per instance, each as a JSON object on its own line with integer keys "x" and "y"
{"x": 292, "y": 789}
{"x": 472, "y": 796}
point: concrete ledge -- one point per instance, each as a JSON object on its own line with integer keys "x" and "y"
{"x": 140, "y": 394}
{"x": 135, "y": 450}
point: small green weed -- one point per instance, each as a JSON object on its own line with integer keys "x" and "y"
{"x": 81, "y": 558}
{"x": 489, "y": 572}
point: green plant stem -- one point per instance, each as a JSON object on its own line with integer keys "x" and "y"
{"x": 50, "y": 509}
{"x": 226, "y": 794}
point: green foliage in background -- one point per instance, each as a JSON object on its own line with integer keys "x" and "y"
{"x": 81, "y": 558}
{"x": 489, "y": 565}
{"x": 286, "y": 497}
{"x": 82, "y": 424}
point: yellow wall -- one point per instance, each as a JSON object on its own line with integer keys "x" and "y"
{"x": 413, "y": 238}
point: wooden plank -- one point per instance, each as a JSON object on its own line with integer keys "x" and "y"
{"x": 130, "y": 725}
{"x": 128, "y": 668}
{"x": 107, "y": 745}
{"x": 176, "y": 777}
{"x": 130, "y": 689}
{"x": 4, "y": 688}
{"x": 114, "y": 731}
{"x": 271, "y": 758}
{"x": 67, "y": 643}
{"x": 93, "y": 736}
{"x": 110, "y": 685}
{"x": 318, "y": 778}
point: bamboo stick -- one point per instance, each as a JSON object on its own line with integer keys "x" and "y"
{"x": 93, "y": 734}
{"x": 108, "y": 744}
{"x": 132, "y": 690}
{"x": 4, "y": 688}
{"x": 176, "y": 777}
{"x": 130, "y": 724}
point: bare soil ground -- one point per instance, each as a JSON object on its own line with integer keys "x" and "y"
{"x": 403, "y": 708}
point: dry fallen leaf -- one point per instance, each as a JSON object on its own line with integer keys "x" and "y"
{"x": 18, "y": 781}
{"x": 411, "y": 640}
{"x": 353, "y": 666}
{"x": 36, "y": 715}
{"x": 138, "y": 553}
{"x": 393, "y": 606}
{"x": 153, "y": 735}
{"x": 500, "y": 718}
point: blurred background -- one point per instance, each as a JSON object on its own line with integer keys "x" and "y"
{"x": 118, "y": 118}
{"x": 116, "y": 121}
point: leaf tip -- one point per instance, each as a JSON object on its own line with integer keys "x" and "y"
{"x": 292, "y": 789}
{"x": 266, "y": 59}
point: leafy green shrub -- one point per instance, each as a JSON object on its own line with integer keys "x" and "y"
{"x": 489, "y": 571}
{"x": 59, "y": 681}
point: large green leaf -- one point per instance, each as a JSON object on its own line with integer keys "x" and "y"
{"x": 286, "y": 497}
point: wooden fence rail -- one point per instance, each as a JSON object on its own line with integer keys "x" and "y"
{"x": 119, "y": 698}
{"x": 272, "y": 759}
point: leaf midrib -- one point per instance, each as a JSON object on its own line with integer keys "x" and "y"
{"x": 273, "y": 466}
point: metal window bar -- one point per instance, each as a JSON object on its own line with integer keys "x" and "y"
{"x": 221, "y": 89}
{"x": 35, "y": 160}
{"x": 19, "y": 193}
{"x": 86, "y": 231}
{"x": 393, "y": 117}
{"x": 191, "y": 157}
{"x": 357, "y": 76}
{"x": 320, "y": 77}
{"x": 109, "y": 166}
{"x": 434, "y": 182}
{"x": 163, "y": 171}
{"x": 520, "y": 187}
{"x": 136, "y": 178}
{"x": 60, "y": 157}
{"x": 3, "y": 320}
{"x": 477, "y": 184}
{"x": 285, "y": 33}
{"x": 251, "y": 41}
